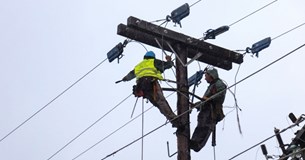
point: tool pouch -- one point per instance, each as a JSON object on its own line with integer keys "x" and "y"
{"x": 144, "y": 87}
{"x": 137, "y": 91}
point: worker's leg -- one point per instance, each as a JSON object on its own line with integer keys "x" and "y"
{"x": 153, "y": 92}
{"x": 161, "y": 103}
{"x": 205, "y": 125}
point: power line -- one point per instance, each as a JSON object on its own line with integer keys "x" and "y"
{"x": 252, "y": 13}
{"x": 291, "y": 126}
{"x": 288, "y": 31}
{"x": 116, "y": 131}
{"x": 11, "y": 132}
{"x": 134, "y": 141}
{"x": 212, "y": 97}
{"x": 88, "y": 128}
{"x": 195, "y": 3}
{"x": 112, "y": 134}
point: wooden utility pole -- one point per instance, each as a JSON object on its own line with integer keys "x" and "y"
{"x": 183, "y": 134}
{"x": 184, "y": 47}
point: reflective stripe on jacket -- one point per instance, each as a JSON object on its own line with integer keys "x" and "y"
{"x": 146, "y": 68}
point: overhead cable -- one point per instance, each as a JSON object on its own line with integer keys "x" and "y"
{"x": 253, "y": 13}
{"x": 289, "y": 127}
{"x": 288, "y": 31}
{"x": 212, "y": 33}
{"x": 195, "y": 3}
{"x": 112, "y": 134}
{"x": 51, "y": 101}
{"x": 116, "y": 130}
{"x": 88, "y": 128}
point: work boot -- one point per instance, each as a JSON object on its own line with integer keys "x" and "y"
{"x": 194, "y": 146}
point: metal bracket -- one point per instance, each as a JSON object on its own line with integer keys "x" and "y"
{"x": 160, "y": 46}
{"x": 199, "y": 54}
{"x": 170, "y": 155}
{"x": 189, "y": 62}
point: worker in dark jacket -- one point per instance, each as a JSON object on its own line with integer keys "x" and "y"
{"x": 210, "y": 111}
{"x": 147, "y": 74}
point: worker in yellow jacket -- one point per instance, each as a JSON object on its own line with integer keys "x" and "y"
{"x": 147, "y": 74}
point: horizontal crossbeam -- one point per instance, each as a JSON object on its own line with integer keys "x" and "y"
{"x": 149, "y": 33}
{"x": 146, "y": 38}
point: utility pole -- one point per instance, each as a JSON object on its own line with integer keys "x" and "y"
{"x": 184, "y": 47}
{"x": 183, "y": 134}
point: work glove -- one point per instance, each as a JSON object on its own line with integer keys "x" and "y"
{"x": 124, "y": 79}
{"x": 168, "y": 58}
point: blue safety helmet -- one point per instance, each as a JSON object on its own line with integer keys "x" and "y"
{"x": 150, "y": 54}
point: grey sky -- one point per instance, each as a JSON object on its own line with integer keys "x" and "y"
{"x": 45, "y": 46}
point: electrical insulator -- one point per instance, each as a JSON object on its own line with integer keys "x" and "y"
{"x": 116, "y": 52}
{"x": 264, "y": 150}
{"x": 178, "y": 14}
{"x": 260, "y": 45}
{"x": 194, "y": 79}
{"x": 212, "y": 33}
{"x": 292, "y": 117}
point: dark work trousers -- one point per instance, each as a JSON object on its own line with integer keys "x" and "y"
{"x": 153, "y": 92}
{"x": 205, "y": 126}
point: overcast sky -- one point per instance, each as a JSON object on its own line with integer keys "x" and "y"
{"x": 46, "y": 46}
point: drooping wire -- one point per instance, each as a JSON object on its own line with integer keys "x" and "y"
{"x": 212, "y": 97}
{"x": 59, "y": 95}
{"x": 236, "y": 107}
{"x": 142, "y": 142}
{"x": 85, "y": 130}
{"x": 235, "y": 100}
{"x": 140, "y": 44}
{"x": 252, "y": 13}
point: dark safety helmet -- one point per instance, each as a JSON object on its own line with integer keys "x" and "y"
{"x": 212, "y": 72}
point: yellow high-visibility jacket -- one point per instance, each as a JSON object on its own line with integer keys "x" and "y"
{"x": 146, "y": 68}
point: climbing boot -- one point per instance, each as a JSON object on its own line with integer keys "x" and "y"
{"x": 194, "y": 146}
